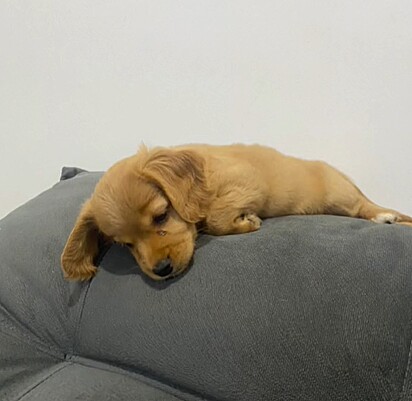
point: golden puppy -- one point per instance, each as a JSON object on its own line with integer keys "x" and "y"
{"x": 153, "y": 201}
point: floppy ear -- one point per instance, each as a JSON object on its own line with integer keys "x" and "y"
{"x": 181, "y": 175}
{"x": 81, "y": 247}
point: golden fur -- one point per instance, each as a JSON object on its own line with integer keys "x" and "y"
{"x": 153, "y": 201}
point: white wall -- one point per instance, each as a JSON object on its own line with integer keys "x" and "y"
{"x": 84, "y": 82}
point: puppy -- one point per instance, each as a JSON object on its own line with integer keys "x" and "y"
{"x": 152, "y": 202}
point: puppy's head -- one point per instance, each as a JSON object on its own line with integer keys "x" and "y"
{"x": 150, "y": 203}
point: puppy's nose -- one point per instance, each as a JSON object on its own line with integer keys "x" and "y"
{"x": 163, "y": 268}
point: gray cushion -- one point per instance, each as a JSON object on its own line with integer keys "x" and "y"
{"x": 308, "y": 308}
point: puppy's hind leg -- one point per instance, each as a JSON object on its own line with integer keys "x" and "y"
{"x": 378, "y": 214}
{"x": 345, "y": 198}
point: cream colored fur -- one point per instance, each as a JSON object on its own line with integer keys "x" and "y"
{"x": 223, "y": 189}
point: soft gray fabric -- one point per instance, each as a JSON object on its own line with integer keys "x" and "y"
{"x": 307, "y": 308}
{"x": 74, "y": 381}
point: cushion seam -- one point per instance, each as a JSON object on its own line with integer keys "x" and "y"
{"x": 38, "y": 346}
{"x": 38, "y": 343}
{"x": 79, "y": 319}
{"x": 74, "y": 359}
{"x": 80, "y": 316}
{"x": 32, "y": 388}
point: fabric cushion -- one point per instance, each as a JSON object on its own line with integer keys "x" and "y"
{"x": 307, "y": 308}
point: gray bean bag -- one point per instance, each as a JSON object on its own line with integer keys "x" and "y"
{"x": 307, "y": 308}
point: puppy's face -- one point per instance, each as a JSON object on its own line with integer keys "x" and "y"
{"x": 139, "y": 215}
{"x": 149, "y": 202}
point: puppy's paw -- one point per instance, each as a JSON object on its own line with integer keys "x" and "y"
{"x": 385, "y": 218}
{"x": 392, "y": 218}
{"x": 248, "y": 222}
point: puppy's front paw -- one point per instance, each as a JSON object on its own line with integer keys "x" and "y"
{"x": 248, "y": 222}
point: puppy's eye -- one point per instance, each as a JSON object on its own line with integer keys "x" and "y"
{"x": 128, "y": 244}
{"x": 160, "y": 219}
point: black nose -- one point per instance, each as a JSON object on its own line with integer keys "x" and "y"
{"x": 163, "y": 268}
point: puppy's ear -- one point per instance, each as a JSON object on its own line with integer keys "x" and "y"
{"x": 181, "y": 175}
{"x": 81, "y": 247}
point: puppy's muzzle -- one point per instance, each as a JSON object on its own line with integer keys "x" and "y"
{"x": 163, "y": 269}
